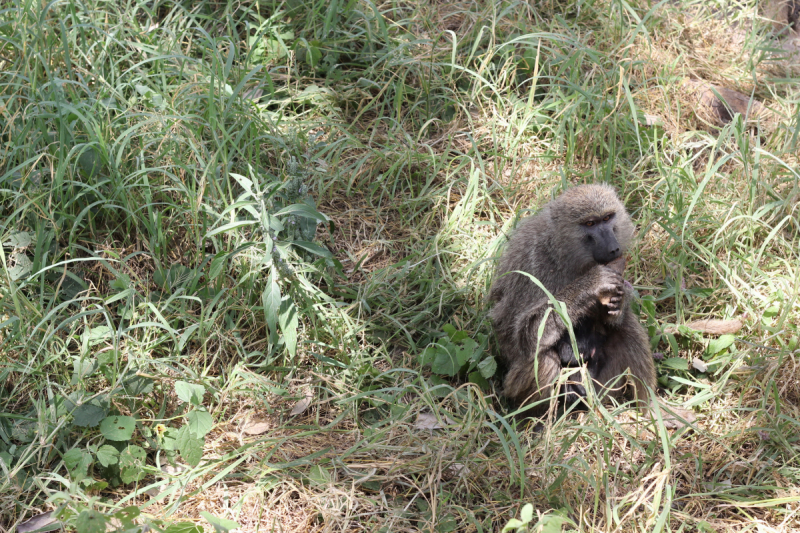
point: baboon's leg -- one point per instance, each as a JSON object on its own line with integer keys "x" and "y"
{"x": 628, "y": 348}
{"x": 526, "y": 384}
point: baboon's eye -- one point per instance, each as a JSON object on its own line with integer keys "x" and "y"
{"x": 589, "y": 224}
{"x": 606, "y": 218}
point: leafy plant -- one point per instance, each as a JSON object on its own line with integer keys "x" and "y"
{"x": 550, "y": 522}
{"x": 457, "y": 354}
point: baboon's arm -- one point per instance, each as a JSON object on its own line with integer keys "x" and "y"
{"x": 600, "y": 289}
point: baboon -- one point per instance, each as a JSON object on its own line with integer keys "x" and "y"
{"x": 575, "y": 246}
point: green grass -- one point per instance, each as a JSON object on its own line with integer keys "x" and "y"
{"x": 233, "y": 233}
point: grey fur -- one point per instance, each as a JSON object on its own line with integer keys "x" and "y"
{"x": 550, "y": 246}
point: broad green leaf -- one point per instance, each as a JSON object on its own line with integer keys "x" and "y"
{"x": 83, "y": 368}
{"x": 20, "y": 239}
{"x": 288, "y": 320}
{"x": 200, "y": 422}
{"x": 445, "y": 363}
{"x": 319, "y": 475}
{"x": 717, "y": 345}
{"x": 446, "y": 524}
{"x": 464, "y": 351}
{"x": 88, "y": 415}
{"x": 77, "y": 461}
{"x": 107, "y": 455}
{"x": 526, "y": 514}
{"x": 303, "y": 210}
{"x": 487, "y": 367}
{"x": 97, "y": 335}
{"x": 479, "y": 380}
{"x": 91, "y": 162}
{"x": 552, "y": 523}
{"x": 246, "y": 183}
{"x": 127, "y": 515}
{"x": 90, "y": 521}
{"x": 21, "y": 268}
{"x": 428, "y": 355}
{"x": 678, "y": 363}
{"x": 189, "y": 392}
{"x": 118, "y": 427}
{"x": 271, "y": 299}
{"x": 512, "y": 524}
{"x": 137, "y": 386}
{"x": 190, "y": 446}
{"x": 313, "y": 248}
{"x": 132, "y": 461}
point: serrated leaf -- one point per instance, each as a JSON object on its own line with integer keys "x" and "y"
{"x": 445, "y": 363}
{"x": 118, "y": 427}
{"x": 428, "y": 355}
{"x": 97, "y": 335}
{"x": 169, "y": 439}
{"x": 288, "y": 320}
{"x": 73, "y": 458}
{"x": 22, "y": 266}
{"x": 190, "y": 393}
{"x": 90, "y": 521}
{"x": 200, "y": 422}
{"x": 189, "y": 446}
{"x": 476, "y": 378}
{"x": 107, "y": 455}
{"x": 132, "y": 461}
{"x": 88, "y": 415}
{"x": 127, "y": 515}
{"x": 20, "y": 239}
{"x": 78, "y": 463}
{"x": 552, "y": 523}
{"x": 487, "y": 367}
{"x": 717, "y": 345}
{"x": 465, "y": 351}
{"x": 677, "y": 363}
{"x": 143, "y": 90}
{"x": 83, "y": 368}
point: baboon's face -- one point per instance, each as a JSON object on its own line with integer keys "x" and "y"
{"x": 600, "y": 237}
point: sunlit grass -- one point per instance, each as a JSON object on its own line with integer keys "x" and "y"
{"x": 237, "y": 227}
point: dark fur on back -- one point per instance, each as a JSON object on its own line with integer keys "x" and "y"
{"x": 551, "y": 246}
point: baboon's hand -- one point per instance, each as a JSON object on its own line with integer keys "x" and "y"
{"x": 610, "y": 290}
